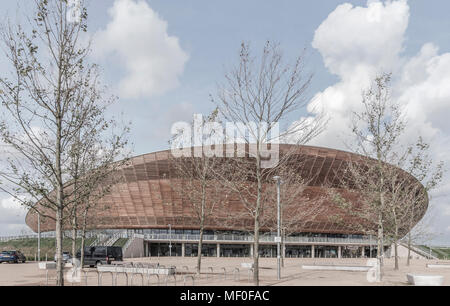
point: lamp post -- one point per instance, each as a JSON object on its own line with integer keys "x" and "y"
{"x": 278, "y": 238}
{"x": 39, "y": 237}
{"x": 170, "y": 240}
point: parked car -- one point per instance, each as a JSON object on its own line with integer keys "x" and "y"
{"x": 12, "y": 256}
{"x": 65, "y": 257}
{"x": 100, "y": 255}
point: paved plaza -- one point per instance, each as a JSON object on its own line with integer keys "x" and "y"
{"x": 213, "y": 273}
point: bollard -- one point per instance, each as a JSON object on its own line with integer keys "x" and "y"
{"x": 236, "y": 272}
{"x": 224, "y": 273}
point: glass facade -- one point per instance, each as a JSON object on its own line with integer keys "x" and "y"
{"x": 325, "y": 251}
{"x": 267, "y": 250}
{"x": 208, "y": 250}
{"x": 234, "y": 250}
{"x": 298, "y": 251}
{"x": 239, "y": 244}
{"x": 163, "y": 249}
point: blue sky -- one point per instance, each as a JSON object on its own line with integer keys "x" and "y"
{"x": 188, "y": 44}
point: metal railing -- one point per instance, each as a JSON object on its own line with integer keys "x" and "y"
{"x": 249, "y": 238}
{"x": 43, "y": 236}
{"x": 102, "y": 238}
{"x": 113, "y": 239}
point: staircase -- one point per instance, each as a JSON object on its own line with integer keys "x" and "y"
{"x": 113, "y": 239}
{"x": 100, "y": 240}
{"x": 134, "y": 246}
{"x": 419, "y": 251}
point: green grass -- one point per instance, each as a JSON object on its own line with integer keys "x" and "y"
{"x": 29, "y": 246}
{"x": 121, "y": 242}
{"x": 441, "y": 253}
{"x": 444, "y": 253}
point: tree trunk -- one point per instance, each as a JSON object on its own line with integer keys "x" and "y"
{"x": 257, "y": 215}
{"x": 199, "y": 251}
{"x": 396, "y": 255}
{"x": 83, "y": 238}
{"x": 409, "y": 249}
{"x": 282, "y": 249}
{"x": 379, "y": 248}
{"x": 396, "y": 248}
{"x": 74, "y": 236}
{"x": 59, "y": 262}
{"x": 256, "y": 255}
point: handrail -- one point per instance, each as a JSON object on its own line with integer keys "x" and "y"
{"x": 249, "y": 238}
{"x": 420, "y": 251}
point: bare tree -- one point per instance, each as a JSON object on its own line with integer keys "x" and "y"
{"x": 50, "y": 94}
{"x": 198, "y": 183}
{"x": 94, "y": 170}
{"x": 260, "y": 94}
{"x": 384, "y": 191}
{"x": 407, "y": 198}
{"x": 299, "y": 207}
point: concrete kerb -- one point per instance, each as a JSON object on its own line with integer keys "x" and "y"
{"x": 425, "y": 280}
{"x": 337, "y": 268}
{"x": 437, "y": 266}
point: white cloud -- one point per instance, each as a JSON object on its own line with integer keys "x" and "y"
{"x": 355, "y": 38}
{"x": 138, "y": 37}
{"x": 356, "y": 44}
{"x": 446, "y": 210}
{"x": 12, "y": 216}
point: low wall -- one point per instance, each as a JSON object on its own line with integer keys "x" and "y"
{"x": 135, "y": 249}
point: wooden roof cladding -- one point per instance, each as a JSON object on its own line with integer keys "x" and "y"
{"x": 146, "y": 198}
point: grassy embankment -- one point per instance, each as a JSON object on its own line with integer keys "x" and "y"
{"x": 29, "y": 246}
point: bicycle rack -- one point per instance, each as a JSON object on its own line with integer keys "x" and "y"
{"x": 249, "y": 270}
{"x": 86, "y": 274}
{"x": 149, "y": 276}
{"x": 211, "y": 270}
{"x": 191, "y": 277}
{"x": 118, "y": 273}
{"x": 224, "y": 273}
{"x": 174, "y": 278}
{"x": 236, "y": 272}
{"x": 137, "y": 273}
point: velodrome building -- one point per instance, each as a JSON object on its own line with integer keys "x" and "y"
{"x": 145, "y": 209}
